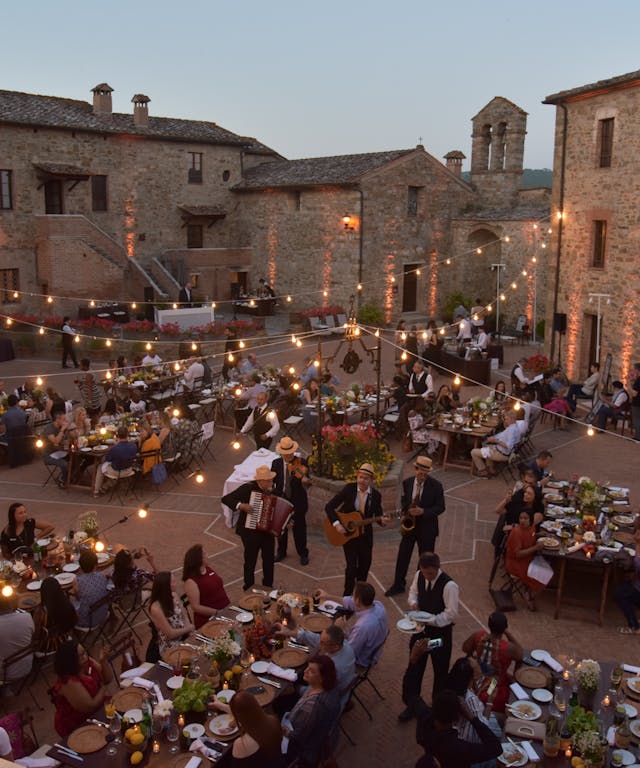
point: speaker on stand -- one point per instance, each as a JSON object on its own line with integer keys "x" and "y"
{"x": 560, "y": 327}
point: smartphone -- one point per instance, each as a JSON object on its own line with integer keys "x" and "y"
{"x": 435, "y": 643}
{"x": 492, "y": 686}
{"x": 531, "y": 662}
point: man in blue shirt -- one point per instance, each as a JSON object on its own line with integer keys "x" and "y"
{"x": 118, "y": 461}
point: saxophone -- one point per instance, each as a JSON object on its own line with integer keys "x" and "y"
{"x": 408, "y": 523}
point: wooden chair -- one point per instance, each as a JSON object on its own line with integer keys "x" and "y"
{"x": 120, "y": 647}
{"x": 623, "y": 417}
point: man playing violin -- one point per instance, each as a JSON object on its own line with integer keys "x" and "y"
{"x": 422, "y": 504}
{"x": 291, "y": 482}
{"x": 357, "y": 497}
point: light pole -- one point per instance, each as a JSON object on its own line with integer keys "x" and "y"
{"x": 599, "y": 297}
{"x": 497, "y": 268}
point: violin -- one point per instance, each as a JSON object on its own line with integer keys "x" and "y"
{"x": 297, "y": 468}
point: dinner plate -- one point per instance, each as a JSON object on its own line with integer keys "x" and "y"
{"x": 467, "y": 429}
{"x": 259, "y": 667}
{"x": 175, "y": 682}
{"x": 44, "y": 542}
{"x": 103, "y": 557}
{"x": 627, "y": 757}
{"x": 509, "y": 753}
{"x": 34, "y": 586}
{"x": 553, "y": 497}
{"x": 86, "y": 449}
{"x": 195, "y": 730}
{"x": 525, "y": 710}
{"x": 407, "y": 625}
{"x": 622, "y": 519}
{"x": 549, "y": 543}
{"x": 542, "y": 695}
{"x": 539, "y": 655}
{"x": 329, "y": 605}
{"x": 134, "y": 715}
{"x": 244, "y": 617}
{"x": 223, "y": 725}
{"x": 633, "y": 682}
{"x": 635, "y": 728}
{"x": 225, "y": 696}
{"x": 70, "y": 567}
{"x": 420, "y": 616}
{"x": 630, "y": 710}
{"x": 64, "y": 579}
{"x": 273, "y": 594}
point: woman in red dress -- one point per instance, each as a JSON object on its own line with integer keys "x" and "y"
{"x": 521, "y": 549}
{"x": 80, "y": 688}
{"x": 203, "y": 586}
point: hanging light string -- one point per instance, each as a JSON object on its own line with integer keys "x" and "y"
{"x": 288, "y": 298}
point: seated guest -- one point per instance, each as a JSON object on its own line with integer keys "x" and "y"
{"x": 54, "y": 618}
{"x": 56, "y": 439}
{"x": 540, "y": 467}
{"x": 327, "y": 387}
{"x": 203, "y": 586}
{"x": 399, "y": 392}
{"x": 21, "y": 530}
{"x": 445, "y": 398}
{"x": 54, "y": 402}
{"x": 81, "y": 687}
{"x": 151, "y": 359}
{"x": 461, "y": 680}
{"x": 616, "y": 404}
{"x": 137, "y": 406}
{"x": 499, "y": 393}
{"x": 15, "y": 431}
{"x": 185, "y": 433}
{"x": 521, "y": 549}
{"x": 122, "y": 367}
{"x": 118, "y": 461}
{"x": 167, "y": 613}
{"x": 79, "y": 422}
{"x": 258, "y": 745}
{"x": 627, "y": 594}
{"x": 165, "y": 435}
{"x": 126, "y": 576}
{"x": 91, "y": 586}
{"x": 523, "y": 500}
{"x": 558, "y": 383}
{"x": 250, "y": 393}
{"x": 249, "y": 365}
{"x": 440, "y": 739}
{"x": 110, "y": 413}
{"x": 149, "y": 442}
{"x": 16, "y": 634}
{"x": 311, "y": 724}
{"x": 495, "y": 651}
{"x": 586, "y": 390}
{"x": 498, "y": 447}
{"x": 192, "y": 378}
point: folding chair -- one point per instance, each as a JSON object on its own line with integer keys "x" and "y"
{"x": 127, "y": 606}
{"x": 208, "y": 410}
{"x": 53, "y": 469}
{"x": 293, "y": 425}
{"x": 507, "y": 584}
{"x": 172, "y": 463}
{"x": 91, "y": 634}
{"x": 361, "y": 677}
{"x": 17, "y": 685}
{"x": 195, "y": 448}
{"x": 120, "y": 648}
{"x": 123, "y": 483}
{"x": 208, "y": 429}
{"x": 143, "y": 458}
{"x": 187, "y": 606}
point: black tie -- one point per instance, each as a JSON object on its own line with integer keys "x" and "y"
{"x": 428, "y": 587}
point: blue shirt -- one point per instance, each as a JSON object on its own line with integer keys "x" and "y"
{"x": 368, "y": 633}
{"x": 122, "y": 454}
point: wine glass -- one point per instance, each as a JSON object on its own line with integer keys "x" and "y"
{"x": 560, "y": 698}
{"x": 114, "y": 728}
{"x": 173, "y": 734}
{"x": 245, "y": 662}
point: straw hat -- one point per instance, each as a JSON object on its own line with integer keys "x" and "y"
{"x": 367, "y": 469}
{"x": 286, "y": 446}
{"x": 264, "y": 473}
{"x": 423, "y": 462}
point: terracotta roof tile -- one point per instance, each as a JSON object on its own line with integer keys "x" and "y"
{"x": 612, "y": 82}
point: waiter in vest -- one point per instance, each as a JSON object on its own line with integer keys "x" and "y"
{"x": 291, "y": 481}
{"x": 433, "y": 591}
{"x": 263, "y": 422}
{"x": 357, "y": 497}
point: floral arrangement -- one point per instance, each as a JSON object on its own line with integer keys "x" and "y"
{"x": 479, "y": 405}
{"x": 163, "y": 708}
{"x": 589, "y": 744}
{"x": 323, "y": 311}
{"x": 346, "y": 447}
{"x": 88, "y": 522}
{"x": 79, "y": 537}
{"x": 537, "y": 364}
{"x": 222, "y": 649}
{"x": 589, "y": 495}
{"x": 139, "y": 326}
{"x": 170, "y": 329}
{"x": 588, "y": 674}
{"x": 289, "y": 600}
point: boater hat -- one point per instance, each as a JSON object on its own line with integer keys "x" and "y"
{"x": 367, "y": 469}
{"x": 286, "y": 446}
{"x": 423, "y": 462}
{"x": 264, "y": 473}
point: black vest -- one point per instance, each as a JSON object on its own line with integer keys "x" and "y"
{"x": 433, "y": 602}
{"x": 261, "y": 424}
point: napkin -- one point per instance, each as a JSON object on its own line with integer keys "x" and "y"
{"x": 208, "y": 752}
{"x": 531, "y": 753}
{"x": 602, "y": 548}
{"x": 285, "y": 674}
{"x": 194, "y": 762}
{"x": 131, "y": 673}
{"x": 158, "y": 693}
{"x": 142, "y": 683}
{"x": 611, "y": 736}
{"x": 550, "y": 661}
{"x": 37, "y": 762}
{"x": 575, "y": 547}
{"x": 518, "y": 691}
{"x": 631, "y": 668}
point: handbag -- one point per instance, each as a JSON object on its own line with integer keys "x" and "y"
{"x": 524, "y": 729}
{"x": 159, "y": 473}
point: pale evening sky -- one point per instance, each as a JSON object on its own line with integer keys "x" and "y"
{"x": 325, "y": 78}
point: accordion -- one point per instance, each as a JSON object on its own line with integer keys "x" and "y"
{"x": 270, "y": 513}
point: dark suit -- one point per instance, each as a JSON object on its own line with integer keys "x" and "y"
{"x": 426, "y": 525}
{"x": 357, "y": 551}
{"x": 254, "y": 542}
{"x": 296, "y": 493}
{"x": 185, "y": 298}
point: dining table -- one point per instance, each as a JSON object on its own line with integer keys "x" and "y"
{"x": 460, "y": 431}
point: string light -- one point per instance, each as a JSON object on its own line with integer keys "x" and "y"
{"x": 448, "y": 261}
{"x": 49, "y": 300}
{"x": 199, "y": 477}
{"x": 142, "y": 513}
{"x": 298, "y": 343}
{"x": 252, "y": 303}
{"x": 39, "y": 381}
{"x": 325, "y": 294}
{"x": 176, "y": 366}
{"x": 194, "y": 346}
{"x": 92, "y": 303}
{"x": 147, "y": 346}
{"x": 292, "y": 370}
{"x": 514, "y": 285}
{"x": 9, "y": 321}
{"x": 7, "y": 590}
{"x": 99, "y": 546}
{"x": 442, "y": 331}
{"x": 591, "y": 432}
{"x": 393, "y": 279}
{"x": 241, "y": 344}
{"x": 296, "y": 386}
{"x": 479, "y": 251}
{"x": 134, "y": 305}
{"x": 230, "y": 357}
{"x": 403, "y": 356}
{"x": 418, "y": 272}
{"x": 39, "y": 443}
{"x": 289, "y": 299}
{"x": 175, "y": 306}
{"x": 41, "y": 331}
{"x": 107, "y": 375}
{"x": 403, "y": 336}
{"x": 176, "y": 413}
{"x": 507, "y": 238}
{"x": 235, "y": 445}
{"x": 108, "y": 343}
{"x": 502, "y": 297}
{"x": 77, "y": 339}
{"x": 15, "y": 294}
{"x": 359, "y": 286}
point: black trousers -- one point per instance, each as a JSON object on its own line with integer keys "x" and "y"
{"x": 68, "y": 351}
{"x": 440, "y": 658}
{"x": 299, "y": 535}
{"x": 266, "y": 443}
{"x": 426, "y": 543}
{"x": 257, "y": 542}
{"x": 357, "y": 555}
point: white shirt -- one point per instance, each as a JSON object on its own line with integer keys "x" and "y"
{"x": 272, "y": 419}
{"x": 465, "y": 329}
{"x": 193, "y": 372}
{"x": 483, "y": 340}
{"x": 148, "y": 360}
{"x": 519, "y": 374}
{"x": 450, "y": 595}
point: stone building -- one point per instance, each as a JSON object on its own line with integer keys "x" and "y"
{"x": 594, "y": 280}
{"x": 147, "y": 202}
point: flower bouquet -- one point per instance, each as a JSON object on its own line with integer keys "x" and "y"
{"x": 223, "y": 649}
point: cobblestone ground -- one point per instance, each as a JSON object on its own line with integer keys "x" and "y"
{"x": 184, "y": 515}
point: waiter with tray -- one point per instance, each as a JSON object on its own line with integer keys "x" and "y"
{"x": 262, "y": 516}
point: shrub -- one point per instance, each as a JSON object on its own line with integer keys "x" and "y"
{"x": 371, "y": 314}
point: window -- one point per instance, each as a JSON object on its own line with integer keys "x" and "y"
{"x": 412, "y": 201}
{"x": 297, "y": 200}
{"x": 194, "y": 235}
{"x": 99, "y": 193}
{"x": 599, "y": 243}
{"x": 9, "y": 282}
{"x": 605, "y": 141}
{"x": 6, "y": 200}
{"x": 226, "y": 175}
{"x": 195, "y": 167}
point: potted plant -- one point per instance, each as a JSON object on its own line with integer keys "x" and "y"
{"x": 191, "y": 698}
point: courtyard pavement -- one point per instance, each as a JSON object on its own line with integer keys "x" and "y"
{"x": 187, "y": 514}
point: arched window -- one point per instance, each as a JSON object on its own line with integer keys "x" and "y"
{"x": 486, "y": 134}
{"x": 500, "y": 147}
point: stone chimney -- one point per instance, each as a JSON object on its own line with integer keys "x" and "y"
{"x": 140, "y": 110}
{"x": 102, "y": 99}
{"x": 454, "y": 161}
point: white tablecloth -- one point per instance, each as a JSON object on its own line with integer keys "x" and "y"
{"x": 245, "y": 473}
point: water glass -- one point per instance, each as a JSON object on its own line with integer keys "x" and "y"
{"x": 560, "y": 698}
{"x": 173, "y": 734}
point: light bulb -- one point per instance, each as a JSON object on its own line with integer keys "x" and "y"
{"x": 543, "y": 245}
{"x": 39, "y": 381}
{"x": 147, "y": 346}
{"x": 99, "y": 546}
{"x": 393, "y": 279}
{"x": 489, "y": 308}
{"x": 293, "y": 338}
{"x": 235, "y": 445}
{"x": 175, "y": 306}
{"x": 9, "y": 321}
{"x": 292, "y": 370}
{"x": 134, "y": 305}
{"x": 591, "y": 432}
{"x": 524, "y": 273}
{"x": 39, "y": 443}
{"x": 213, "y": 305}
{"x": 49, "y": 300}
{"x": 176, "y": 366}
{"x": 475, "y": 318}
{"x": 325, "y": 293}
{"x": 238, "y": 392}
{"x": 478, "y": 251}
{"x": 534, "y": 260}
{"x": 252, "y": 303}
{"x": 456, "y": 381}
{"x": 7, "y": 590}
{"x": 507, "y": 238}
{"x": 41, "y": 331}
{"x": 271, "y": 415}
{"x": 448, "y": 261}
{"x": 359, "y": 286}
{"x": 230, "y": 357}
{"x": 403, "y": 356}
{"x": 102, "y": 431}
{"x": 108, "y": 342}
{"x": 442, "y": 331}
{"x": 298, "y": 343}
{"x": 296, "y": 386}
{"x": 77, "y": 339}
{"x": 92, "y": 303}
{"x": 502, "y": 297}
{"x": 535, "y": 226}
{"x": 289, "y": 299}
{"x": 403, "y": 336}
{"x": 377, "y": 333}
{"x": 199, "y": 478}
{"x": 241, "y": 344}
{"x": 194, "y": 346}
{"x": 516, "y": 405}
{"x": 107, "y": 375}
{"x": 15, "y": 294}
{"x": 424, "y": 335}
{"x": 142, "y": 512}
{"x": 316, "y": 363}
{"x": 514, "y": 286}
{"x": 176, "y": 413}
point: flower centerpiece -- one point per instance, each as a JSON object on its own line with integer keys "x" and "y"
{"x": 590, "y": 746}
{"x": 346, "y": 447}
{"x": 222, "y": 650}
{"x": 588, "y": 679}
{"x": 589, "y": 495}
{"x": 88, "y": 522}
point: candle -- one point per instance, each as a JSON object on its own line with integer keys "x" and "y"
{"x": 588, "y": 555}
{"x": 225, "y": 686}
{"x": 567, "y": 752}
{"x": 284, "y": 622}
{"x": 606, "y": 701}
{"x": 181, "y": 720}
{"x": 156, "y": 747}
{"x": 252, "y": 659}
{"x": 566, "y": 674}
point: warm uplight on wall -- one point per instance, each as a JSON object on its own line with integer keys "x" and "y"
{"x": 507, "y": 238}
{"x": 347, "y": 222}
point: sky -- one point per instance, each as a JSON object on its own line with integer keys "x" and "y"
{"x": 325, "y": 78}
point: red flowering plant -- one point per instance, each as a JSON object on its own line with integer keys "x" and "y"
{"x": 347, "y": 447}
{"x": 20, "y": 317}
{"x": 323, "y": 311}
{"x": 96, "y": 322}
{"x": 537, "y": 364}
{"x": 138, "y": 326}
{"x": 170, "y": 329}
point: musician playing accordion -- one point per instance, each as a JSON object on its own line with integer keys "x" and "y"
{"x": 254, "y": 541}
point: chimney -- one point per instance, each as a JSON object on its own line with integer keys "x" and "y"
{"x": 140, "y": 110}
{"x": 102, "y": 99}
{"x": 454, "y": 161}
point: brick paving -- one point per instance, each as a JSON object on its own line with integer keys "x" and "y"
{"x": 186, "y": 514}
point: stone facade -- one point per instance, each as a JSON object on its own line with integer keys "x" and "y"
{"x": 594, "y": 184}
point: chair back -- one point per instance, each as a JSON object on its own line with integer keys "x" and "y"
{"x": 207, "y": 430}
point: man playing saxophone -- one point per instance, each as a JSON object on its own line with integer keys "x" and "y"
{"x": 422, "y": 503}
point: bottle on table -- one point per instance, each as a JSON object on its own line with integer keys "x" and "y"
{"x": 37, "y": 552}
{"x": 551, "y": 743}
{"x": 623, "y": 733}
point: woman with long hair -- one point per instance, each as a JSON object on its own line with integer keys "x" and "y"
{"x": 521, "y": 549}
{"x": 203, "y": 586}
{"x": 166, "y": 612}
{"x": 461, "y": 679}
{"x": 80, "y": 689}
{"x": 258, "y": 745}
{"x": 126, "y": 575}
{"x": 21, "y": 529}
{"x": 54, "y": 618}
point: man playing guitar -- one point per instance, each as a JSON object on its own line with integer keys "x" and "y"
{"x": 357, "y": 497}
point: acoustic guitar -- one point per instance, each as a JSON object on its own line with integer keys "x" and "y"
{"x": 353, "y": 523}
